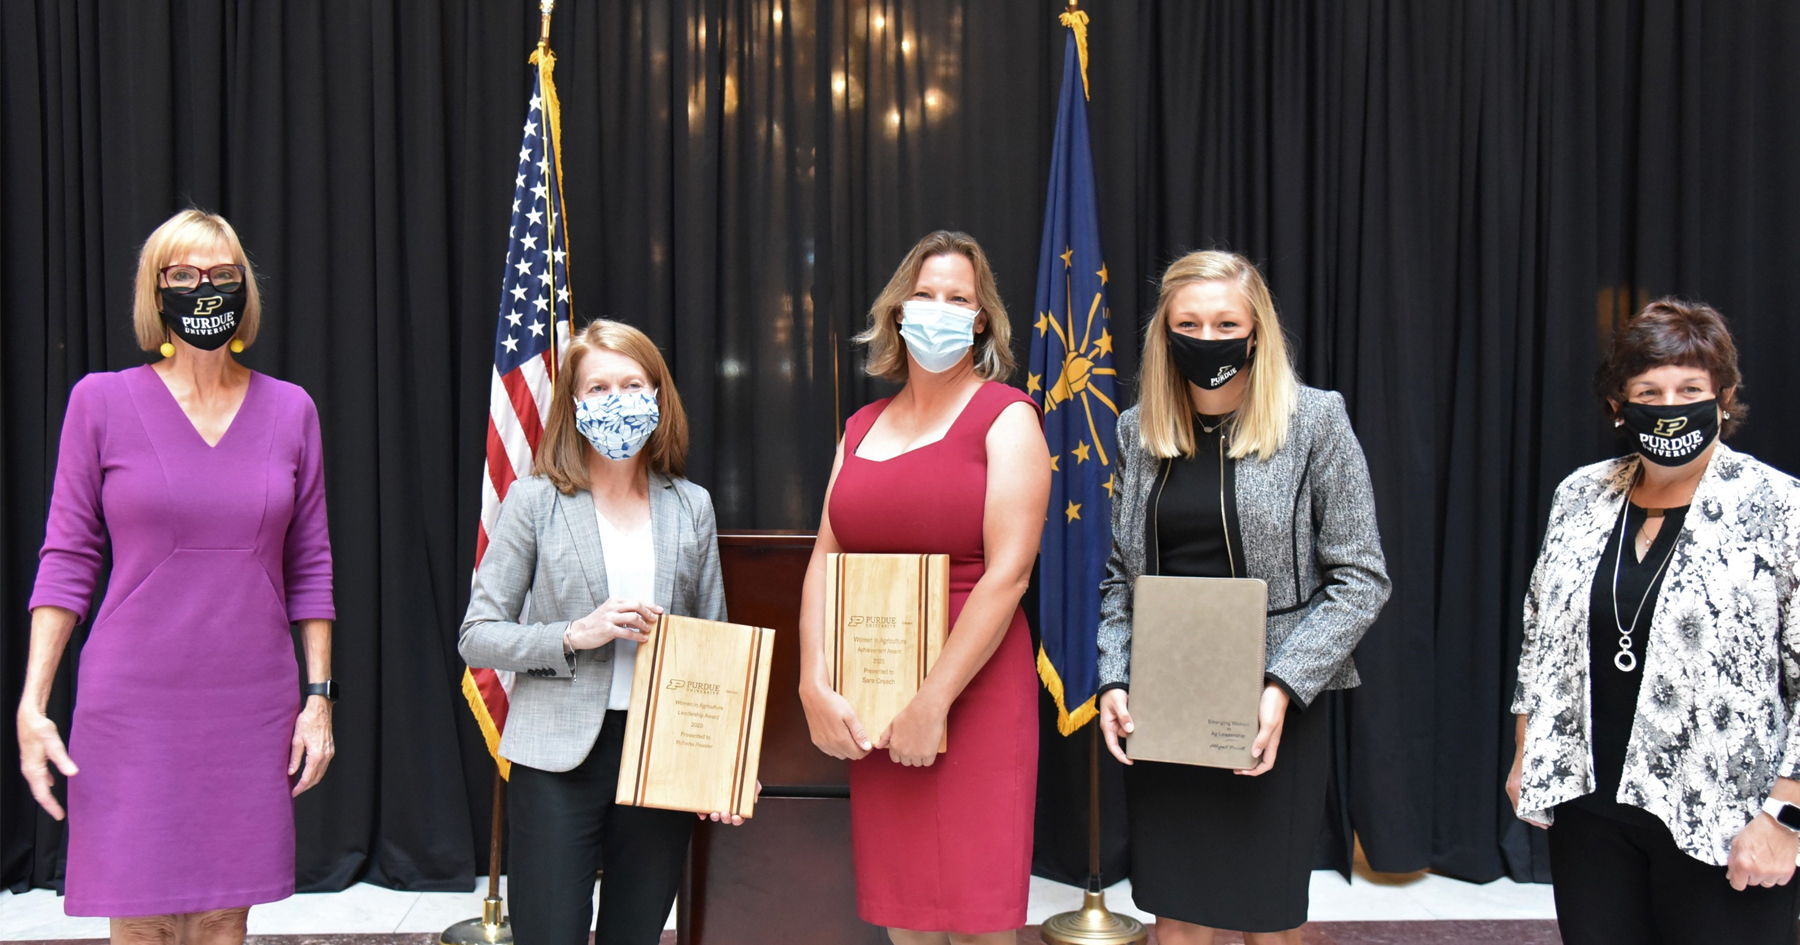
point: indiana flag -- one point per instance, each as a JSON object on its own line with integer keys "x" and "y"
{"x": 534, "y": 325}
{"x": 1073, "y": 380}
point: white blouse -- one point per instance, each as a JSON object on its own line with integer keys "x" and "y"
{"x": 630, "y": 574}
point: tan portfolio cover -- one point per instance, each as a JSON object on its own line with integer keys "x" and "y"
{"x": 885, "y": 621}
{"x": 1196, "y": 669}
{"x": 693, "y": 737}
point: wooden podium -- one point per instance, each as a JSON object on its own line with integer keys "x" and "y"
{"x": 784, "y": 878}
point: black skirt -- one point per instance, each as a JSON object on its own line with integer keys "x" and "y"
{"x": 1227, "y": 851}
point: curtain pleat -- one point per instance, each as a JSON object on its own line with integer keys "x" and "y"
{"x": 1454, "y": 204}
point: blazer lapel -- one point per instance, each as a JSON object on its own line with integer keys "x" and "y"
{"x": 584, "y": 534}
{"x": 665, "y": 529}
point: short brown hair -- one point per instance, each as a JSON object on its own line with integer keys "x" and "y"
{"x": 563, "y": 454}
{"x": 887, "y": 350}
{"x": 1673, "y": 331}
{"x": 189, "y": 229}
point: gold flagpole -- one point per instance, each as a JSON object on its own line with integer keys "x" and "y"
{"x": 492, "y": 928}
{"x": 1093, "y": 923}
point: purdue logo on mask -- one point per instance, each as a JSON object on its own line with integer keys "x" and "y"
{"x": 206, "y": 318}
{"x": 1671, "y": 434}
{"x": 1208, "y": 362}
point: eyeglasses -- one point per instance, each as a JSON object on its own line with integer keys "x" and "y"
{"x": 185, "y": 279}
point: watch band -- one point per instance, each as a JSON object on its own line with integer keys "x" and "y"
{"x": 1785, "y": 814}
{"x": 328, "y": 689}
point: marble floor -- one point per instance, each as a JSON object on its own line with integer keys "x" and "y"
{"x": 1366, "y": 905}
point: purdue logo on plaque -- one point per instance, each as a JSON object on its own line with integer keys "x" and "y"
{"x": 693, "y": 737}
{"x": 885, "y": 621}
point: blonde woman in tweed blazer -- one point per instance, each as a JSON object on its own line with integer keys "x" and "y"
{"x": 1231, "y": 468}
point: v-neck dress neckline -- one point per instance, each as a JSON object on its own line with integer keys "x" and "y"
{"x": 169, "y": 400}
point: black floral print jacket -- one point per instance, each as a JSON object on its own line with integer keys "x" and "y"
{"x": 1716, "y": 720}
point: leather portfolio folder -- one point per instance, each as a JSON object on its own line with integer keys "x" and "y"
{"x": 1197, "y": 659}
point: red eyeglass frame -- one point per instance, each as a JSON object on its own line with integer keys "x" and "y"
{"x": 206, "y": 275}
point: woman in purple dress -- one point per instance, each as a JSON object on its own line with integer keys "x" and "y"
{"x": 189, "y": 738}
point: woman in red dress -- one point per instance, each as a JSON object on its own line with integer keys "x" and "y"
{"x": 953, "y": 464}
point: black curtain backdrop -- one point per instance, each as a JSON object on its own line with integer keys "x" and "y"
{"x": 1454, "y": 204}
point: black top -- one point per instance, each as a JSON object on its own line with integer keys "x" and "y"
{"x": 1193, "y": 522}
{"x": 1614, "y": 687}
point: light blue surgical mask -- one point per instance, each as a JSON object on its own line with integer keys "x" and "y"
{"x": 938, "y": 335}
{"x": 620, "y": 424}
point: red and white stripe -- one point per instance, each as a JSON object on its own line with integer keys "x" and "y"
{"x": 518, "y": 408}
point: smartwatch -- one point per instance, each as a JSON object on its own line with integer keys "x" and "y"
{"x": 329, "y": 689}
{"x": 1784, "y": 813}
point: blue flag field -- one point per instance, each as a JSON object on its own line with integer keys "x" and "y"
{"x": 1072, "y": 379}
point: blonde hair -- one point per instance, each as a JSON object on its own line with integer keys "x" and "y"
{"x": 887, "y": 350}
{"x": 186, "y": 231}
{"x": 563, "y": 453}
{"x": 1166, "y": 414}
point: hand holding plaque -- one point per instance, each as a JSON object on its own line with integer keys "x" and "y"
{"x": 886, "y": 617}
{"x": 693, "y": 736}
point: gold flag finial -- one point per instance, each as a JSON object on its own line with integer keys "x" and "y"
{"x": 545, "y": 9}
{"x": 1075, "y": 19}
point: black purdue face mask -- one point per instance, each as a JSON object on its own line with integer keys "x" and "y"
{"x": 1208, "y": 365}
{"x": 1671, "y": 434}
{"x": 205, "y": 318}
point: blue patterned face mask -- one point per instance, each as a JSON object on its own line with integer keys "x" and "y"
{"x": 618, "y": 425}
{"x": 937, "y": 334}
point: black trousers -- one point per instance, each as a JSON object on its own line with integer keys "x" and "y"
{"x": 564, "y": 825}
{"x": 1621, "y": 880}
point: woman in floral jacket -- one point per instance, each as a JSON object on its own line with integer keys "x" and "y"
{"x": 1660, "y": 676}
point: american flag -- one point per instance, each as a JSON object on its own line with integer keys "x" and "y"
{"x": 534, "y": 325}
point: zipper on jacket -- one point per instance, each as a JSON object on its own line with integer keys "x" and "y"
{"x": 1225, "y": 520}
{"x": 1156, "y": 515}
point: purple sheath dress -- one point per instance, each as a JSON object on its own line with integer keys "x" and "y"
{"x": 188, "y": 689}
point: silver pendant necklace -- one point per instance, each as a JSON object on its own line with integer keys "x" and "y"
{"x": 1625, "y": 659}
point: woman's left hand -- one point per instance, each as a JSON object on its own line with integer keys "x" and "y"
{"x": 1271, "y": 715}
{"x": 312, "y": 743}
{"x": 1762, "y": 854}
{"x": 735, "y": 820}
{"x": 912, "y": 739}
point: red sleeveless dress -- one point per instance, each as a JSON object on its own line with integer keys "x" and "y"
{"x": 945, "y": 848}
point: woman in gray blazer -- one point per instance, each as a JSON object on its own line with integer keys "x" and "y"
{"x": 1231, "y": 468}
{"x": 587, "y": 552}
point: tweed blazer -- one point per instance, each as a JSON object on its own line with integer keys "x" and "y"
{"x": 1308, "y": 520}
{"x": 546, "y": 547}
{"x": 1716, "y": 712}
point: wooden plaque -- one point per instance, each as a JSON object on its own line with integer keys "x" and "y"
{"x": 693, "y": 737}
{"x": 885, "y": 621}
{"x": 1196, "y": 669}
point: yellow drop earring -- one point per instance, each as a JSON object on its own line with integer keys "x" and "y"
{"x": 237, "y": 346}
{"x": 167, "y": 349}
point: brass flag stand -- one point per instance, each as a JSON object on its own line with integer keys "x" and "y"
{"x": 492, "y": 928}
{"x": 1093, "y": 923}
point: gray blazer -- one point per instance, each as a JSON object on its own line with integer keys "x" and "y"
{"x": 546, "y": 546}
{"x": 1326, "y": 574}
